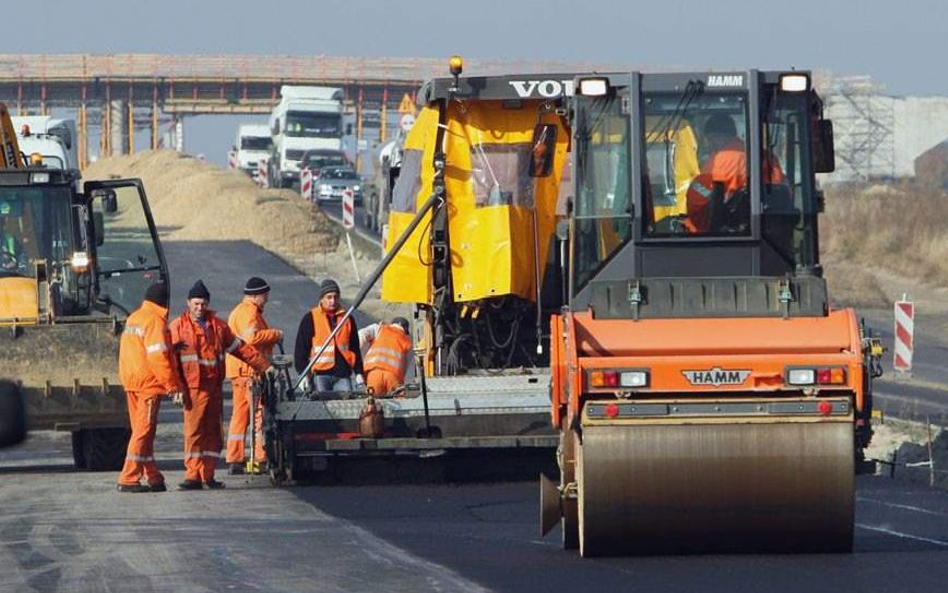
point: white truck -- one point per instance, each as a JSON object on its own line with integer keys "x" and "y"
{"x": 252, "y": 143}
{"x": 52, "y": 138}
{"x": 306, "y": 118}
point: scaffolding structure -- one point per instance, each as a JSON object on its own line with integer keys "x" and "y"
{"x": 863, "y": 126}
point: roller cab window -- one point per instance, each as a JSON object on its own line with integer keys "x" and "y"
{"x": 603, "y": 211}
{"x": 695, "y": 167}
{"x": 788, "y": 214}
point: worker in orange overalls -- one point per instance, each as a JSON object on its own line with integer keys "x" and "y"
{"x": 334, "y": 369}
{"x": 726, "y": 170}
{"x": 247, "y": 322}
{"x": 146, "y": 369}
{"x": 200, "y": 342}
{"x": 388, "y": 355}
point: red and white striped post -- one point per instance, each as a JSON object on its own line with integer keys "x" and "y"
{"x": 904, "y": 335}
{"x": 231, "y": 159}
{"x": 306, "y": 183}
{"x": 348, "y": 222}
{"x": 262, "y": 173}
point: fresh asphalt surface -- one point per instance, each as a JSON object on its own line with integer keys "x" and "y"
{"x": 62, "y": 530}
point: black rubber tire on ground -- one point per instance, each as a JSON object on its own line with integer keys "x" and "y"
{"x": 12, "y": 415}
{"x": 100, "y": 449}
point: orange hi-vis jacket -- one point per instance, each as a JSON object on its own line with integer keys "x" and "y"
{"x": 247, "y": 323}
{"x": 146, "y": 365}
{"x": 321, "y": 331}
{"x": 729, "y": 167}
{"x": 390, "y": 351}
{"x": 201, "y": 351}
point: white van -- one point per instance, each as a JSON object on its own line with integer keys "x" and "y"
{"x": 253, "y": 143}
{"x": 306, "y": 118}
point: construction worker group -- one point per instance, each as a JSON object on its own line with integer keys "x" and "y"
{"x": 187, "y": 360}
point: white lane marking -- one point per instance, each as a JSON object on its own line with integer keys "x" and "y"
{"x": 902, "y": 535}
{"x": 905, "y": 507}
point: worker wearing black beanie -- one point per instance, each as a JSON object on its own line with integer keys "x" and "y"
{"x": 157, "y": 293}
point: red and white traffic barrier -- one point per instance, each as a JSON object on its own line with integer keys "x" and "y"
{"x": 231, "y": 159}
{"x": 262, "y": 174}
{"x": 904, "y": 335}
{"x": 306, "y": 183}
{"x": 348, "y": 209}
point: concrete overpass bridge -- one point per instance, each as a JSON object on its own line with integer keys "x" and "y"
{"x": 114, "y": 95}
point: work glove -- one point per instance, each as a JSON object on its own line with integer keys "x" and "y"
{"x": 359, "y": 382}
{"x": 305, "y": 384}
{"x": 271, "y": 371}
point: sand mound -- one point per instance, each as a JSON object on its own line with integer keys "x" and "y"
{"x": 197, "y": 201}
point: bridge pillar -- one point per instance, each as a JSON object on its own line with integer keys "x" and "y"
{"x": 179, "y": 132}
{"x": 118, "y": 122}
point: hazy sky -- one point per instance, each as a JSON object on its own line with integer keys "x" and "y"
{"x": 902, "y": 44}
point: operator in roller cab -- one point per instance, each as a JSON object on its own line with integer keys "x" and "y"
{"x": 697, "y": 340}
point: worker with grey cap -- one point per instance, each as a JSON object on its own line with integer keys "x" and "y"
{"x": 335, "y": 366}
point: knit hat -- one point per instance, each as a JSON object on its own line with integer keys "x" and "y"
{"x": 402, "y": 322}
{"x": 157, "y": 293}
{"x": 256, "y": 285}
{"x": 328, "y": 285}
{"x": 199, "y": 291}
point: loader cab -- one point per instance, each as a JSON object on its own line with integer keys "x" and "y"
{"x": 64, "y": 253}
{"x": 697, "y": 176}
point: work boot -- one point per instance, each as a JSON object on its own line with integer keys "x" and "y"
{"x": 132, "y": 488}
{"x": 190, "y": 485}
{"x": 159, "y": 487}
{"x": 236, "y": 469}
{"x": 213, "y": 484}
{"x": 254, "y": 467}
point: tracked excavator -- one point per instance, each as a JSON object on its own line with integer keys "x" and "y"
{"x": 73, "y": 264}
{"x": 708, "y": 396}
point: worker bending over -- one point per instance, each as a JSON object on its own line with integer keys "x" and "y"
{"x": 200, "y": 341}
{"x": 147, "y": 372}
{"x": 247, "y": 322}
{"x": 388, "y": 354}
{"x": 342, "y": 358}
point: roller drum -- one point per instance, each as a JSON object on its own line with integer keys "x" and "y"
{"x": 697, "y": 488}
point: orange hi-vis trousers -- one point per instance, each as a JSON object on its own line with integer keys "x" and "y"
{"x": 202, "y": 433}
{"x": 140, "y": 456}
{"x": 380, "y": 382}
{"x": 240, "y": 419}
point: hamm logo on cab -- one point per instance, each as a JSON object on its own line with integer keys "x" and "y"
{"x": 716, "y": 377}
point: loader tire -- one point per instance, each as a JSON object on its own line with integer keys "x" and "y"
{"x": 12, "y": 415}
{"x": 100, "y": 449}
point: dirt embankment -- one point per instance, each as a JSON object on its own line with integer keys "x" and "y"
{"x": 198, "y": 201}
{"x": 879, "y": 241}
{"x": 193, "y": 200}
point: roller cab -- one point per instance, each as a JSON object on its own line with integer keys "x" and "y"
{"x": 708, "y": 397}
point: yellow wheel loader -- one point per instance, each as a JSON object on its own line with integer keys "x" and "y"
{"x": 73, "y": 262}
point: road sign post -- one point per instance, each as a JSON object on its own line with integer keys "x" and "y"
{"x": 306, "y": 183}
{"x": 904, "y": 335}
{"x": 348, "y": 222}
{"x": 262, "y": 173}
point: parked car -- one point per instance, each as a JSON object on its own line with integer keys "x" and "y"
{"x": 332, "y": 181}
